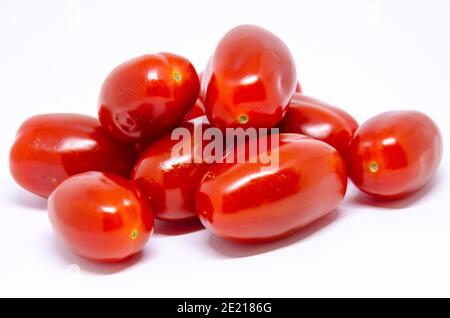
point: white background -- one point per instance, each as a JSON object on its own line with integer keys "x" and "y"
{"x": 365, "y": 56}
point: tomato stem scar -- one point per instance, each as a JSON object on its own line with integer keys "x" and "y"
{"x": 176, "y": 76}
{"x": 134, "y": 234}
{"x": 373, "y": 167}
{"x": 242, "y": 119}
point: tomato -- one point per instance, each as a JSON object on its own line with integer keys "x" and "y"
{"x": 51, "y": 147}
{"x": 170, "y": 182}
{"x": 100, "y": 216}
{"x": 394, "y": 154}
{"x": 147, "y": 96}
{"x": 253, "y": 202}
{"x": 298, "y": 88}
{"x": 318, "y": 120}
{"x": 351, "y": 122}
{"x": 249, "y": 79}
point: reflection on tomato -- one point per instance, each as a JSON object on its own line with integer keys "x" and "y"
{"x": 147, "y": 96}
{"x": 253, "y": 202}
{"x": 170, "y": 182}
{"x": 394, "y": 154}
{"x": 100, "y": 216}
{"x": 319, "y": 120}
{"x": 51, "y": 147}
{"x": 249, "y": 79}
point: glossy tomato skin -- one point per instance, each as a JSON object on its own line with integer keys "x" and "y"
{"x": 100, "y": 216}
{"x": 51, "y": 147}
{"x": 147, "y": 96}
{"x": 350, "y": 120}
{"x": 169, "y": 182}
{"x": 244, "y": 202}
{"x": 394, "y": 154}
{"x": 249, "y": 79}
{"x": 318, "y": 120}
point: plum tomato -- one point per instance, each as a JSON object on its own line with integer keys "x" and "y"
{"x": 394, "y": 154}
{"x": 147, "y": 96}
{"x": 319, "y": 120}
{"x": 351, "y": 121}
{"x": 51, "y": 147}
{"x": 249, "y": 79}
{"x": 100, "y": 216}
{"x": 253, "y": 202}
{"x": 170, "y": 182}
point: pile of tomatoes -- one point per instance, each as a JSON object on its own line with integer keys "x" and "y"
{"x": 106, "y": 179}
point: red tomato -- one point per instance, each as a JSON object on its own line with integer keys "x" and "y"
{"x": 51, "y": 147}
{"x": 351, "y": 122}
{"x": 147, "y": 96}
{"x": 100, "y": 216}
{"x": 249, "y": 80}
{"x": 318, "y": 120}
{"x": 244, "y": 202}
{"x": 170, "y": 183}
{"x": 394, "y": 154}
